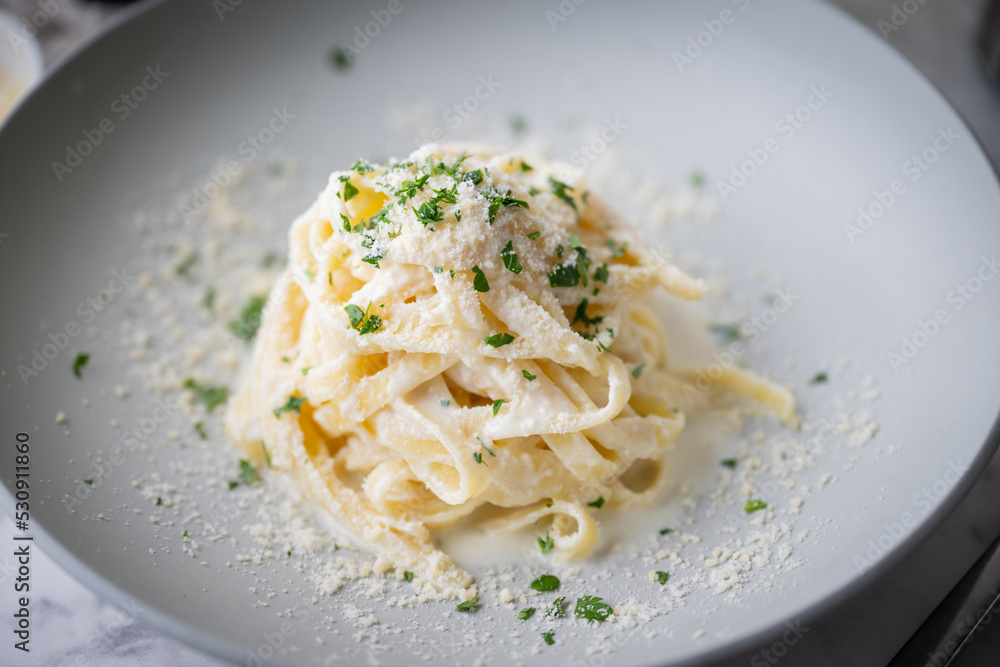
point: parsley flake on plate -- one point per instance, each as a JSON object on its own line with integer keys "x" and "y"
{"x": 754, "y": 505}
{"x": 546, "y": 582}
{"x": 210, "y": 396}
{"x": 467, "y": 605}
{"x": 78, "y": 363}
{"x": 592, "y": 608}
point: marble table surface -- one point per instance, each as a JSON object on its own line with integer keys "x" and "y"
{"x": 73, "y": 627}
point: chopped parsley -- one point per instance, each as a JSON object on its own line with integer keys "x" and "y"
{"x": 480, "y": 282}
{"x": 210, "y": 396}
{"x": 819, "y": 378}
{"x": 601, "y": 274}
{"x": 500, "y": 200}
{"x": 564, "y": 275}
{"x": 408, "y": 576}
{"x": 445, "y": 403}
{"x": 78, "y": 363}
{"x": 245, "y": 326}
{"x": 510, "y": 258}
{"x": 475, "y": 177}
{"x": 490, "y": 451}
{"x": 361, "y": 320}
{"x": 617, "y": 250}
{"x": 528, "y": 376}
{"x": 305, "y": 371}
{"x": 349, "y": 191}
{"x": 534, "y": 235}
{"x": 362, "y": 167}
{"x": 339, "y": 59}
{"x": 478, "y": 458}
{"x": 372, "y": 324}
{"x": 666, "y": 531}
{"x": 247, "y": 473}
{"x": 517, "y": 124}
{"x": 546, "y": 582}
{"x": 526, "y": 613}
{"x": 88, "y": 482}
{"x": 499, "y": 340}
{"x": 546, "y": 544}
{"x": 526, "y": 167}
{"x": 753, "y": 505}
{"x": 697, "y": 179}
{"x": 183, "y": 268}
{"x": 199, "y": 428}
{"x": 267, "y": 455}
{"x": 429, "y": 212}
{"x": 599, "y": 503}
{"x": 440, "y": 168}
{"x": 293, "y": 403}
{"x": 729, "y": 463}
{"x": 450, "y": 195}
{"x": 467, "y": 605}
{"x": 548, "y": 637}
{"x": 592, "y": 609}
{"x": 496, "y": 406}
{"x": 209, "y": 300}
{"x": 409, "y": 188}
{"x": 726, "y": 333}
{"x": 637, "y": 371}
{"x": 560, "y": 189}
{"x": 662, "y": 577}
{"x": 581, "y": 315}
{"x": 185, "y": 533}
{"x": 438, "y": 269}
{"x": 159, "y": 501}
{"x": 557, "y": 607}
{"x": 356, "y": 315}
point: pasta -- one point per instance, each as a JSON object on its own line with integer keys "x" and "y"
{"x": 467, "y": 332}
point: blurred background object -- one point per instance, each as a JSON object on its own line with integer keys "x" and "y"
{"x": 59, "y": 25}
{"x": 20, "y": 65}
{"x": 989, "y": 41}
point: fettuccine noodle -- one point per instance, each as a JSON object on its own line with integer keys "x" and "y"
{"x": 466, "y": 332}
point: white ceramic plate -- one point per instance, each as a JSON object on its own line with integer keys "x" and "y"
{"x": 226, "y": 73}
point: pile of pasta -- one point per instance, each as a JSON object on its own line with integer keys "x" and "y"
{"x": 464, "y": 333}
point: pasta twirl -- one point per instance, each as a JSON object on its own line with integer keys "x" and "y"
{"x": 463, "y": 331}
